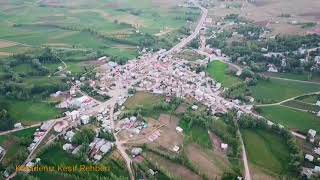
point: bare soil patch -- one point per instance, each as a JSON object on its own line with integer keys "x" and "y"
{"x": 176, "y": 170}
{"x": 212, "y": 164}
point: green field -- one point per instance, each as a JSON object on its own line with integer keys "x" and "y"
{"x": 142, "y": 99}
{"x": 30, "y": 112}
{"x": 309, "y": 99}
{"x": 293, "y": 119}
{"x": 266, "y": 151}
{"x": 301, "y": 77}
{"x": 197, "y": 134}
{"x": 11, "y": 143}
{"x": 218, "y": 71}
{"x": 62, "y": 24}
{"x": 277, "y": 90}
{"x": 302, "y": 105}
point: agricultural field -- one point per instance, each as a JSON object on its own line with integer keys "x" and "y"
{"x": 266, "y": 152}
{"x": 293, "y": 76}
{"x": 302, "y": 105}
{"x": 211, "y": 163}
{"x": 276, "y": 90}
{"x": 197, "y": 134}
{"x": 219, "y": 71}
{"x": 86, "y": 25}
{"x": 15, "y": 145}
{"x": 171, "y": 168}
{"x": 312, "y": 99}
{"x": 290, "y": 118}
{"x": 29, "y": 112}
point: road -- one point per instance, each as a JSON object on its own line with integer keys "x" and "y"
{"x": 194, "y": 34}
{"x": 294, "y": 80}
{"x": 20, "y": 129}
{"x": 286, "y": 100}
{"x": 247, "y": 175}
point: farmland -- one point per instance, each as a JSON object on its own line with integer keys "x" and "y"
{"x": 276, "y": 90}
{"x": 266, "y": 151}
{"x": 16, "y": 146}
{"x": 87, "y": 25}
{"x": 293, "y": 119}
{"x": 29, "y": 112}
{"x": 218, "y": 71}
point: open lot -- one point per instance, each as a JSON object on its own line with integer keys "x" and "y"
{"x": 266, "y": 151}
{"x": 219, "y": 71}
{"x": 292, "y": 119}
{"x": 277, "y": 90}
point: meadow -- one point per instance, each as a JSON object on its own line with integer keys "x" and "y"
{"x": 30, "y": 112}
{"x": 218, "y": 71}
{"x": 196, "y": 134}
{"x": 276, "y": 90}
{"x": 266, "y": 151}
{"x": 290, "y": 118}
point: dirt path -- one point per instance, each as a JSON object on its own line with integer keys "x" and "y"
{"x": 247, "y": 175}
{"x": 20, "y": 129}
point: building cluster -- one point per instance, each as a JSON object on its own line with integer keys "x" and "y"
{"x": 170, "y": 77}
{"x": 312, "y": 157}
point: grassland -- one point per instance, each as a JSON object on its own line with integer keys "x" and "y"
{"x": 197, "y": 134}
{"x": 277, "y": 90}
{"x": 30, "y": 112}
{"x": 266, "y": 151}
{"x": 293, "y": 119}
{"x": 218, "y": 71}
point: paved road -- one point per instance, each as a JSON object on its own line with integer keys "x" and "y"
{"x": 195, "y": 33}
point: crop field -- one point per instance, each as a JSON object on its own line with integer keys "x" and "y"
{"x": 30, "y": 112}
{"x": 78, "y": 25}
{"x": 312, "y": 99}
{"x": 197, "y": 134}
{"x": 266, "y": 151}
{"x": 277, "y": 90}
{"x": 302, "y": 105}
{"x": 143, "y": 99}
{"x": 218, "y": 71}
{"x": 11, "y": 143}
{"x": 211, "y": 163}
{"x": 290, "y": 118}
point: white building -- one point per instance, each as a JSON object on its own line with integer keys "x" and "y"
{"x": 85, "y": 119}
{"x": 309, "y": 157}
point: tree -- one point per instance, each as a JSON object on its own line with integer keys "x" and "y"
{"x": 5, "y": 121}
{"x": 84, "y": 135}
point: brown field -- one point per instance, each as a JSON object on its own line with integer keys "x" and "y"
{"x": 165, "y": 125}
{"x": 211, "y": 163}
{"x": 4, "y": 54}
{"x": 4, "y": 44}
{"x": 173, "y": 169}
{"x": 256, "y": 173}
{"x": 270, "y": 11}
